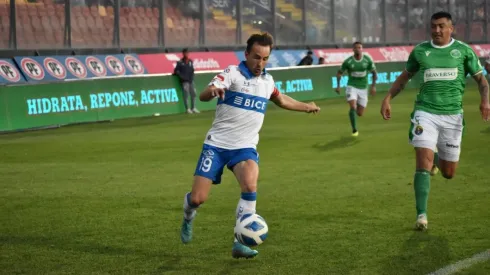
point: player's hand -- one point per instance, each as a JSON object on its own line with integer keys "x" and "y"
{"x": 337, "y": 90}
{"x": 485, "y": 110}
{"x": 386, "y": 109}
{"x": 312, "y": 108}
{"x": 373, "y": 90}
{"x": 218, "y": 92}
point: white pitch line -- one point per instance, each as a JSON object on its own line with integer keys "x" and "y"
{"x": 450, "y": 269}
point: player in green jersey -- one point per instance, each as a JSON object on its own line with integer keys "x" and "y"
{"x": 437, "y": 119}
{"x": 358, "y": 68}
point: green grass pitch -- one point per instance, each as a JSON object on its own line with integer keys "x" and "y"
{"x": 107, "y": 198}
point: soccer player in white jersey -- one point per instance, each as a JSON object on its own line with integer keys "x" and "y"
{"x": 243, "y": 92}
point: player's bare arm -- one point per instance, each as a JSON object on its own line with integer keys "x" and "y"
{"x": 400, "y": 83}
{"x": 339, "y": 76}
{"x": 211, "y": 92}
{"x": 288, "y": 103}
{"x": 484, "y": 90}
{"x": 373, "y": 86}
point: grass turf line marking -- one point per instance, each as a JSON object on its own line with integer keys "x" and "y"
{"x": 463, "y": 264}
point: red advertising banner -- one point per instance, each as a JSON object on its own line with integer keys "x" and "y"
{"x": 482, "y": 50}
{"x": 206, "y": 61}
{"x": 203, "y": 61}
{"x": 384, "y": 54}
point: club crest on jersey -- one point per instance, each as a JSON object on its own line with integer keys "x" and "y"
{"x": 455, "y": 53}
{"x": 419, "y": 130}
{"x": 427, "y": 53}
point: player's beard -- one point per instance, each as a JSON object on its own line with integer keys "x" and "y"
{"x": 440, "y": 39}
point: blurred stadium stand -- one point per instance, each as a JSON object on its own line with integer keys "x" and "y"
{"x": 141, "y": 26}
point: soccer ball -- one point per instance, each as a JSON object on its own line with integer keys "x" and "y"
{"x": 251, "y": 229}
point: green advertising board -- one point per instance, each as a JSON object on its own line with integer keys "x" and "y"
{"x": 31, "y": 106}
{"x": 43, "y": 105}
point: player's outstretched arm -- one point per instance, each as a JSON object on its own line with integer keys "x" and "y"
{"x": 339, "y": 76}
{"x": 288, "y": 103}
{"x": 211, "y": 92}
{"x": 375, "y": 79}
{"x": 484, "y": 90}
{"x": 400, "y": 83}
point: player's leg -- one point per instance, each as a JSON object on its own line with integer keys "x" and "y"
{"x": 185, "y": 93}
{"x": 192, "y": 201}
{"x": 245, "y": 167}
{"x": 449, "y": 144}
{"x": 193, "y": 98}
{"x": 423, "y": 136}
{"x": 247, "y": 173}
{"x": 208, "y": 171}
{"x": 424, "y": 160}
{"x": 435, "y": 165}
{"x": 351, "y": 94}
{"x": 447, "y": 168}
{"x": 362, "y": 101}
{"x": 360, "y": 109}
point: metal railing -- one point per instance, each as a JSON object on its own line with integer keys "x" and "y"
{"x": 217, "y": 24}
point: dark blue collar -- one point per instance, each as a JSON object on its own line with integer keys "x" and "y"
{"x": 246, "y": 72}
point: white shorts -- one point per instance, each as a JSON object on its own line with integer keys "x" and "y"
{"x": 360, "y": 95}
{"x": 443, "y": 132}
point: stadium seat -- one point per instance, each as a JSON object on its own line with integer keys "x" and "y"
{"x": 460, "y": 30}
{"x": 476, "y": 32}
{"x": 418, "y": 34}
{"x": 4, "y": 25}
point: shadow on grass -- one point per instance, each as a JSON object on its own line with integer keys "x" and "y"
{"x": 422, "y": 253}
{"x": 342, "y": 142}
{"x": 486, "y": 131}
{"x": 168, "y": 261}
{"x": 232, "y": 265}
{"x": 122, "y": 123}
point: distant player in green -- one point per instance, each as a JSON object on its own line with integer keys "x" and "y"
{"x": 437, "y": 119}
{"x": 358, "y": 68}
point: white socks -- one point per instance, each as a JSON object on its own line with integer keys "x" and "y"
{"x": 246, "y": 205}
{"x": 189, "y": 209}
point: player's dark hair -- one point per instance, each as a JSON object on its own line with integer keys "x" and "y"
{"x": 356, "y": 43}
{"x": 263, "y": 39}
{"x": 185, "y": 50}
{"x": 441, "y": 14}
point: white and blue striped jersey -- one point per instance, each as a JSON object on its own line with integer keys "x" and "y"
{"x": 239, "y": 117}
